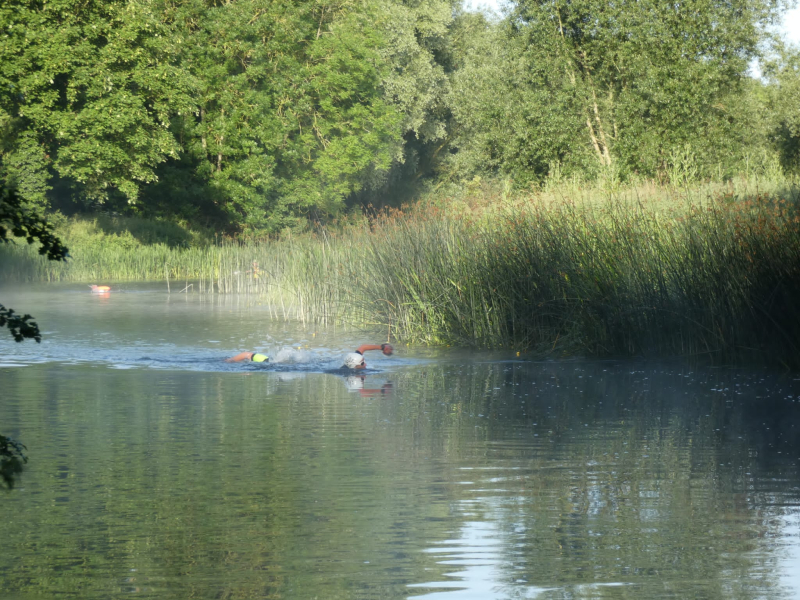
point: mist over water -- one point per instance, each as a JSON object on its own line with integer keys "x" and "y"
{"x": 160, "y": 471}
{"x": 143, "y": 326}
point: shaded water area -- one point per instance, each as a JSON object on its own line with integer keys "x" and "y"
{"x": 159, "y": 471}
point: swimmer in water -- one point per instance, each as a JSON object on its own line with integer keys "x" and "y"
{"x": 249, "y": 356}
{"x": 355, "y": 360}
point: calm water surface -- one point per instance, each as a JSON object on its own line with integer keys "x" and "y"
{"x": 159, "y": 471}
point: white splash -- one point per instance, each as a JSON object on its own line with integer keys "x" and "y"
{"x": 291, "y": 356}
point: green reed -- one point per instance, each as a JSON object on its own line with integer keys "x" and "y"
{"x": 710, "y": 274}
{"x": 298, "y": 277}
{"x": 717, "y": 278}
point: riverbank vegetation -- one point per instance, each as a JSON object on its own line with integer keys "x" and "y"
{"x": 674, "y": 272}
{"x": 576, "y": 178}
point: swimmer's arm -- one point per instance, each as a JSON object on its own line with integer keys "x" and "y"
{"x": 386, "y": 348}
{"x": 240, "y": 357}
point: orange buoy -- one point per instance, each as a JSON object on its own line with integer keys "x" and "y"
{"x": 100, "y": 289}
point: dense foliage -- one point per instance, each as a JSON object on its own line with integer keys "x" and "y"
{"x": 289, "y": 119}
{"x": 615, "y": 87}
{"x": 262, "y": 114}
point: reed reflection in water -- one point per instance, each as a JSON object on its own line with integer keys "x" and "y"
{"x": 454, "y": 479}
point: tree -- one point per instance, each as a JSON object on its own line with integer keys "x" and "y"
{"x": 87, "y": 90}
{"x": 626, "y": 84}
{"x": 425, "y": 41}
{"x": 420, "y": 51}
{"x": 16, "y": 220}
{"x": 290, "y": 117}
{"x": 783, "y": 107}
{"x": 512, "y": 115}
{"x": 255, "y": 114}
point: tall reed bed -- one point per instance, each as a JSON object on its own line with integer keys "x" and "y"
{"x": 721, "y": 279}
{"x": 719, "y": 276}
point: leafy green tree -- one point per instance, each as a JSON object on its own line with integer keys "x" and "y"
{"x": 290, "y": 116}
{"x": 628, "y": 84}
{"x": 781, "y": 99}
{"x": 87, "y": 90}
{"x": 16, "y": 220}
{"x": 418, "y": 48}
{"x": 423, "y": 49}
{"x": 257, "y": 113}
{"x": 512, "y": 115}
{"x": 420, "y": 52}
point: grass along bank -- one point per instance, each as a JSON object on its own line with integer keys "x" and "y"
{"x": 715, "y": 274}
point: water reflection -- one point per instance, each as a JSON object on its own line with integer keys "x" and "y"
{"x": 646, "y": 482}
{"x": 497, "y": 480}
{"x": 454, "y": 478}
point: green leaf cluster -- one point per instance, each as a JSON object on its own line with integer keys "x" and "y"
{"x": 289, "y": 113}
{"x": 16, "y": 220}
{"x": 778, "y": 104}
{"x": 87, "y": 90}
{"x": 263, "y": 110}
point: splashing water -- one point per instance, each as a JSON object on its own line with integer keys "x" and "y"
{"x": 292, "y": 356}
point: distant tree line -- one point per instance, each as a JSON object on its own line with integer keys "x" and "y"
{"x": 262, "y": 114}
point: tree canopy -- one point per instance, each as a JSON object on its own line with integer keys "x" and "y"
{"x": 262, "y": 114}
{"x": 620, "y": 86}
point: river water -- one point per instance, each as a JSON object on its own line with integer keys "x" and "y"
{"x": 157, "y": 470}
